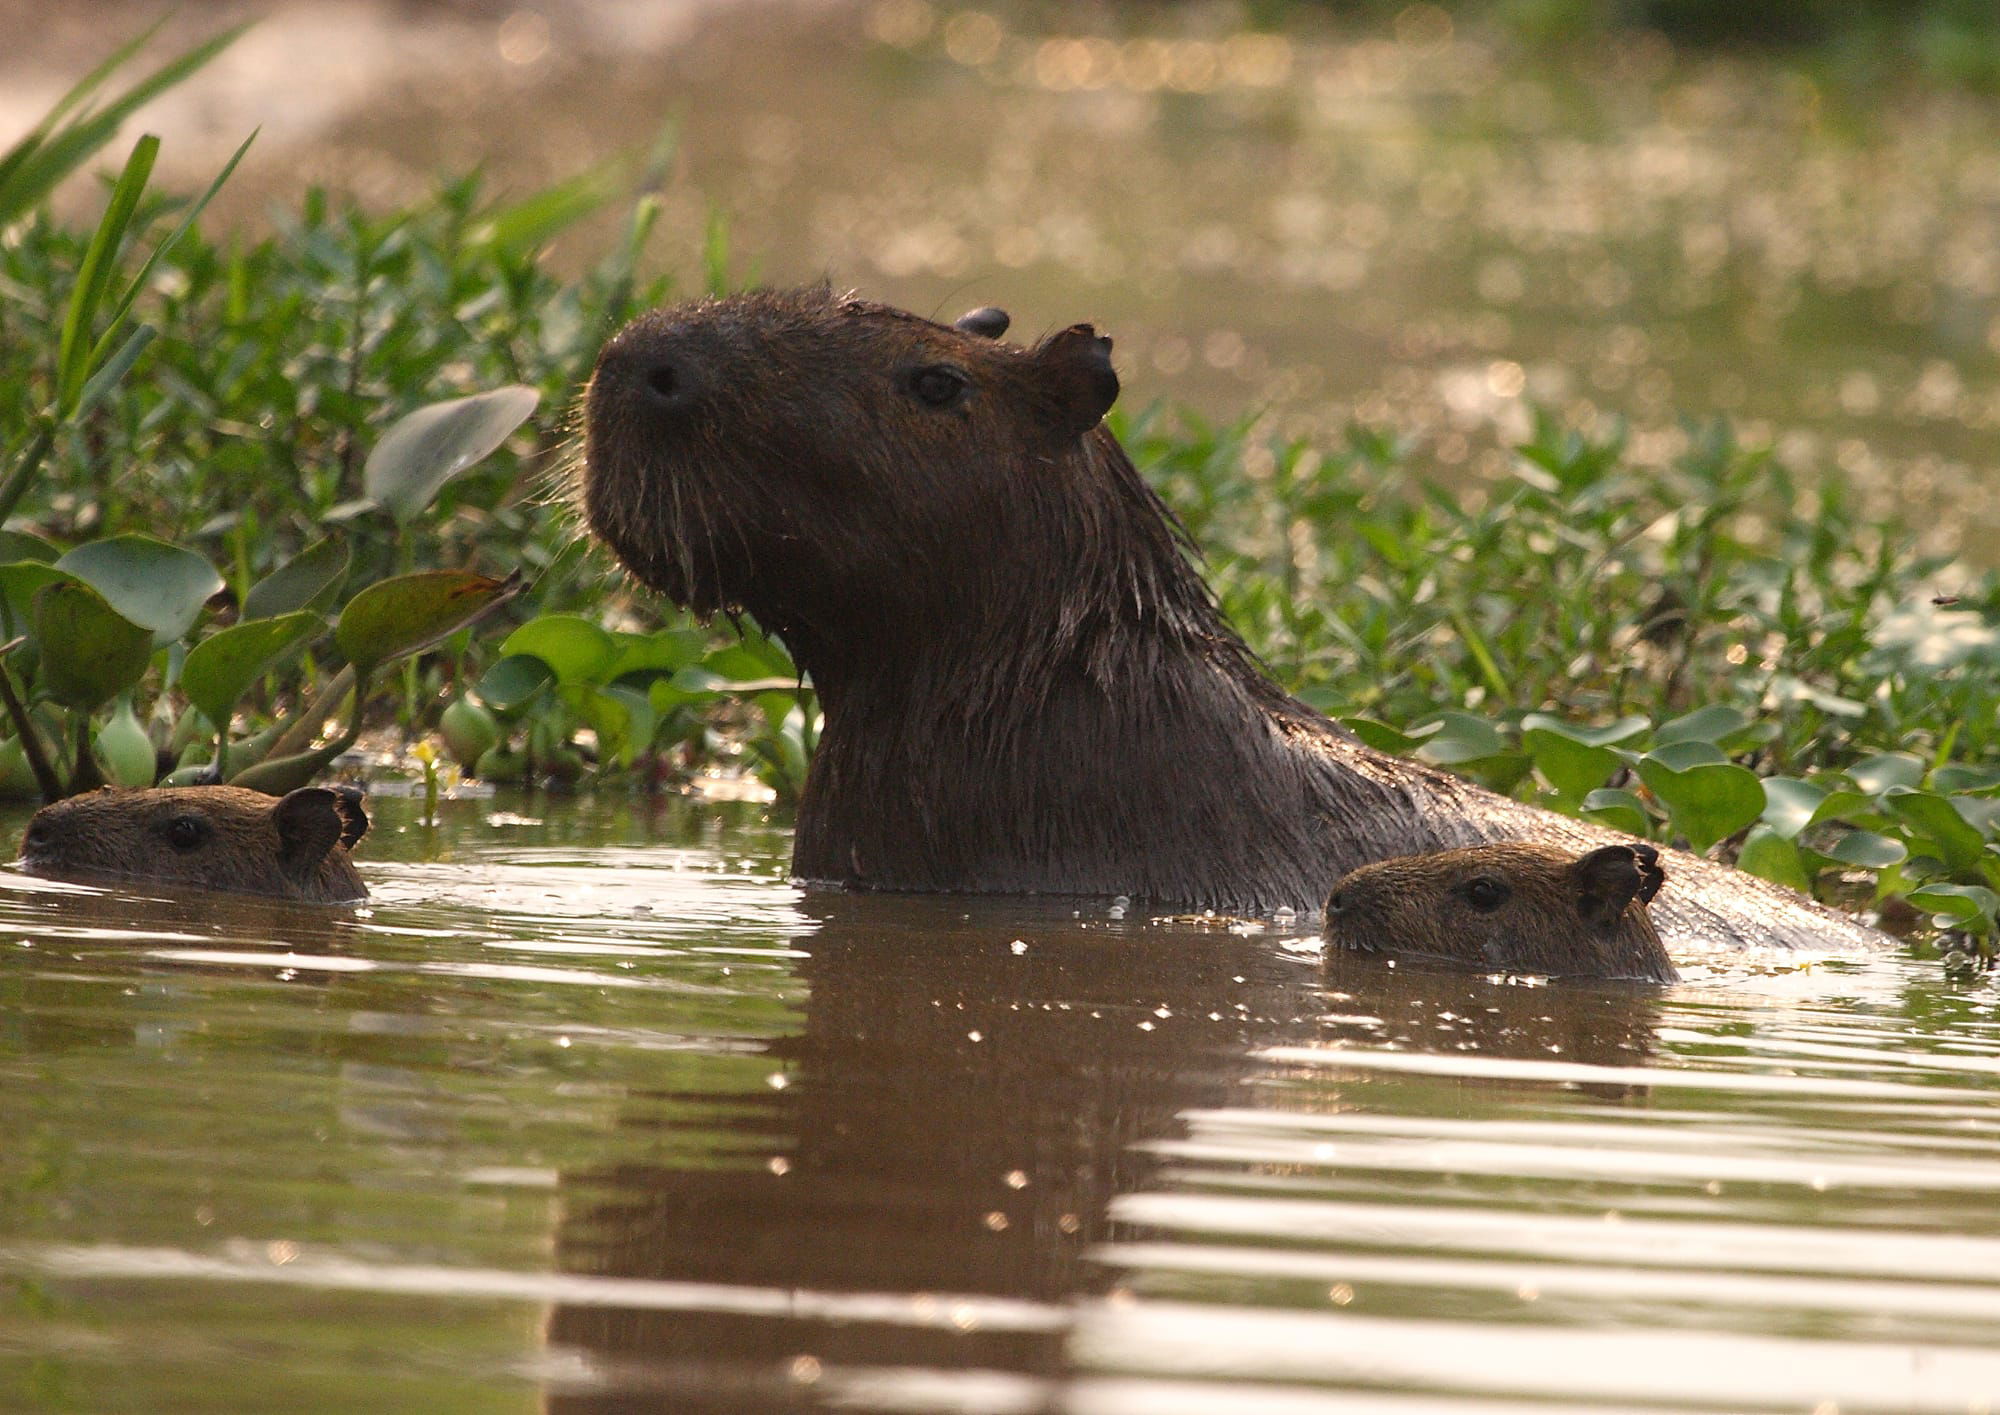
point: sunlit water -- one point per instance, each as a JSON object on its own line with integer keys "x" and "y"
{"x": 591, "y": 1110}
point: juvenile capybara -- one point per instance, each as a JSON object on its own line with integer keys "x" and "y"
{"x": 1027, "y": 686}
{"x": 205, "y": 837}
{"x": 1515, "y": 906}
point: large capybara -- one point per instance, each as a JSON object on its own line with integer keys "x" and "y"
{"x": 205, "y": 837}
{"x": 1515, "y": 906}
{"x": 1027, "y": 686}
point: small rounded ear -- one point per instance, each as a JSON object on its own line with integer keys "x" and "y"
{"x": 987, "y": 322}
{"x": 353, "y": 815}
{"x": 309, "y": 823}
{"x": 1076, "y": 365}
{"x": 1610, "y": 878}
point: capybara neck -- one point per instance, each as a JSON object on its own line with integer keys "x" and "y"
{"x": 1027, "y": 685}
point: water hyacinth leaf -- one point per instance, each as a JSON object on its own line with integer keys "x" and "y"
{"x": 513, "y": 682}
{"x": 18, "y": 584}
{"x": 309, "y": 580}
{"x": 1708, "y": 724}
{"x": 1684, "y": 755}
{"x": 576, "y": 649}
{"x": 149, "y": 582}
{"x": 1610, "y": 735}
{"x": 1789, "y": 804}
{"x": 1384, "y": 738}
{"x": 1878, "y": 773}
{"x": 1461, "y": 737}
{"x": 1967, "y": 906}
{"x": 1853, "y": 807}
{"x": 1572, "y": 767}
{"x": 90, "y": 652}
{"x": 1706, "y": 803}
{"x": 755, "y": 656}
{"x": 409, "y": 613}
{"x": 1935, "y": 822}
{"x": 664, "y": 651}
{"x": 1868, "y": 850}
{"x": 220, "y": 669}
{"x": 1618, "y": 808}
{"x": 1772, "y": 856}
{"x": 1957, "y": 779}
{"x": 20, "y": 545}
{"x": 690, "y": 685}
{"x": 429, "y": 447}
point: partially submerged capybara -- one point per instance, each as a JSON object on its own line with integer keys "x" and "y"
{"x": 1027, "y": 686}
{"x": 205, "y": 837}
{"x": 1514, "y": 906}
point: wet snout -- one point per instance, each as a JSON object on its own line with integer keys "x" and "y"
{"x": 662, "y": 367}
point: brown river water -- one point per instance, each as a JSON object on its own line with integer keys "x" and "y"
{"x": 590, "y": 1110}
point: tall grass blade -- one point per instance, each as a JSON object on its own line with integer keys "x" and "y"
{"x": 73, "y": 360}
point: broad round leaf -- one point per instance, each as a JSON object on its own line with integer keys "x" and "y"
{"x": 410, "y": 612}
{"x": 1707, "y": 724}
{"x": 429, "y": 447}
{"x": 663, "y": 651}
{"x": 1618, "y": 808}
{"x": 1868, "y": 850}
{"x": 1570, "y": 766}
{"x": 1610, "y": 735}
{"x": 221, "y": 668}
{"x": 20, "y": 545}
{"x": 1706, "y": 803}
{"x": 18, "y": 583}
{"x": 1680, "y": 756}
{"x": 1934, "y": 821}
{"x": 1384, "y": 738}
{"x": 1461, "y": 737}
{"x": 575, "y": 649}
{"x": 1789, "y": 804}
{"x": 309, "y": 580}
{"x": 1770, "y": 855}
{"x": 90, "y": 652}
{"x": 149, "y": 582}
{"x": 1967, "y": 906}
{"x": 513, "y": 681}
{"x": 1877, "y": 774}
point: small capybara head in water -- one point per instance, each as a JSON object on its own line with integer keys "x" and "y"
{"x": 1512, "y": 906}
{"x": 824, "y": 461}
{"x": 205, "y": 837}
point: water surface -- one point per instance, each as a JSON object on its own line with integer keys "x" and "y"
{"x": 592, "y": 1111}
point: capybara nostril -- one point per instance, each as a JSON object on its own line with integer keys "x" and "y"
{"x": 667, "y": 383}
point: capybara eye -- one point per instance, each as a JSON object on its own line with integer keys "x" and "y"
{"x": 186, "y": 832}
{"x": 1486, "y": 893}
{"x": 937, "y": 385}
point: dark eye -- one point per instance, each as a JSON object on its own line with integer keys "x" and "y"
{"x": 1335, "y": 903}
{"x": 1485, "y": 893}
{"x": 186, "y": 832}
{"x": 937, "y": 385}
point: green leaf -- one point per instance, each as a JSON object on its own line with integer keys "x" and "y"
{"x": 1967, "y": 906}
{"x": 1461, "y": 737}
{"x": 220, "y": 669}
{"x": 1384, "y": 738}
{"x": 151, "y": 583}
{"x": 513, "y": 681}
{"x": 113, "y": 370}
{"x": 1772, "y": 856}
{"x": 1867, "y": 850}
{"x": 1618, "y": 808}
{"x": 429, "y": 447}
{"x": 309, "y": 580}
{"x": 1877, "y": 774}
{"x": 1789, "y": 804}
{"x": 409, "y": 613}
{"x": 90, "y": 652}
{"x": 1571, "y": 765}
{"x": 1610, "y": 735}
{"x": 1937, "y": 823}
{"x": 20, "y": 545}
{"x": 576, "y": 650}
{"x": 1952, "y": 780}
{"x": 1708, "y": 724}
{"x": 665, "y": 651}
{"x": 1706, "y": 802}
{"x": 531, "y": 223}
{"x": 93, "y": 277}
{"x": 1688, "y": 753}
{"x": 1852, "y": 807}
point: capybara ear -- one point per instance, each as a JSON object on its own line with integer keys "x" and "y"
{"x": 987, "y": 322}
{"x": 1077, "y": 366}
{"x": 1609, "y": 878}
{"x": 1652, "y": 874}
{"x": 349, "y": 801}
{"x": 309, "y": 824}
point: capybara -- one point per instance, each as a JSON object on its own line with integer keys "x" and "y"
{"x": 1514, "y": 906}
{"x": 205, "y": 837}
{"x": 1027, "y": 685}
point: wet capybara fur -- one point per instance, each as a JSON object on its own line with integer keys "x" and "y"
{"x": 1513, "y": 907}
{"x": 205, "y": 837}
{"x": 1027, "y": 685}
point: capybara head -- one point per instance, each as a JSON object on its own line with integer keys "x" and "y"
{"x": 205, "y": 837}
{"x": 841, "y": 469}
{"x": 1511, "y": 906}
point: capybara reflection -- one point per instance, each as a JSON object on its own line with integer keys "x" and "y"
{"x": 1514, "y": 907}
{"x": 205, "y": 837}
{"x": 1027, "y": 686}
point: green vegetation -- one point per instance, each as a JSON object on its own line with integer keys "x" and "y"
{"x": 1707, "y": 654}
